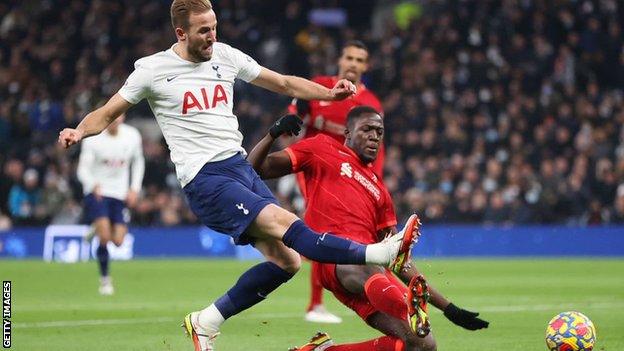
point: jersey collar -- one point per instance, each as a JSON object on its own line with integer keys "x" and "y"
{"x": 178, "y": 57}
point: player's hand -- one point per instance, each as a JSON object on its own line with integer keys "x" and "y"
{"x": 343, "y": 89}
{"x": 131, "y": 198}
{"x": 289, "y": 124}
{"x": 97, "y": 193}
{"x": 463, "y": 318}
{"x": 69, "y": 137}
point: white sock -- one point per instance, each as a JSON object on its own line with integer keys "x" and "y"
{"x": 210, "y": 319}
{"x": 385, "y": 252}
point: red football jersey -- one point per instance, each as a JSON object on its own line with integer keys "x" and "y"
{"x": 330, "y": 117}
{"x": 344, "y": 195}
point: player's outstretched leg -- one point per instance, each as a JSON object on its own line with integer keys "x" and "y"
{"x": 275, "y": 222}
{"x": 417, "y": 299}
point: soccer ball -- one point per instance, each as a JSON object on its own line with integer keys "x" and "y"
{"x": 570, "y": 331}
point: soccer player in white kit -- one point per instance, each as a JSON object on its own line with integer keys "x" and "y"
{"x": 110, "y": 168}
{"x": 189, "y": 88}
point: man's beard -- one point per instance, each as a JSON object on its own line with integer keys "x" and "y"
{"x": 196, "y": 53}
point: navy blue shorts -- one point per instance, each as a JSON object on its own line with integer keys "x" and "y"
{"x": 113, "y": 209}
{"x": 227, "y": 196}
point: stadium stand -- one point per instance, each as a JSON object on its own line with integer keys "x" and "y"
{"x": 501, "y": 112}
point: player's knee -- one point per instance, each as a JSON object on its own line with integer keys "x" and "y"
{"x": 277, "y": 220}
{"x": 291, "y": 263}
{"x": 119, "y": 236}
{"x": 105, "y": 236}
{"x": 103, "y": 232}
{"x": 284, "y": 219}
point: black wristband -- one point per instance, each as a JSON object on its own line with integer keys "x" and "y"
{"x": 451, "y": 310}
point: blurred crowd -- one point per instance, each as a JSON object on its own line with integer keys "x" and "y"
{"x": 497, "y": 112}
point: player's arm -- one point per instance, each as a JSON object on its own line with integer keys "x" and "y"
{"x": 459, "y": 316}
{"x": 302, "y": 88}
{"x": 95, "y": 122}
{"x": 276, "y": 164}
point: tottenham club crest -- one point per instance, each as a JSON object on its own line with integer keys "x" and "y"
{"x": 216, "y": 69}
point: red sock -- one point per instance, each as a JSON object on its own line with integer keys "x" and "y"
{"x": 316, "y": 288}
{"x": 385, "y": 296}
{"x": 384, "y": 343}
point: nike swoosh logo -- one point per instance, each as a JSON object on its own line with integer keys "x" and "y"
{"x": 384, "y": 290}
{"x": 169, "y": 79}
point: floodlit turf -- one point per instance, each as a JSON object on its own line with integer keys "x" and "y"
{"x": 56, "y": 306}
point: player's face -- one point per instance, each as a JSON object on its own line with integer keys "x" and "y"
{"x": 366, "y": 137}
{"x": 353, "y": 63}
{"x": 200, "y": 36}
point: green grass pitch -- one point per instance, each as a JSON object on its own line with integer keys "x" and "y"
{"x": 56, "y": 306}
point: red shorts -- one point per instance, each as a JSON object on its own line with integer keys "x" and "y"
{"x": 357, "y": 302}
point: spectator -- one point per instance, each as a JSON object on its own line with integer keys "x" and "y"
{"x": 25, "y": 200}
{"x": 499, "y": 111}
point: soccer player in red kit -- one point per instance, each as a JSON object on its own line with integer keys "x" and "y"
{"x": 329, "y": 118}
{"x": 347, "y": 198}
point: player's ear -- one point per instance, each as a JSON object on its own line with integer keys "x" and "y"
{"x": 180, "y": 33}
{"x": 347, "y": 134}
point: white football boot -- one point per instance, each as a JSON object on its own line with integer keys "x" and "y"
{"x": 202, "y": 339}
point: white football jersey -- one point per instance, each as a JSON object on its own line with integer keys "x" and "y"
{"x": 106, "y": 160}
{"x": 193, "y": 103}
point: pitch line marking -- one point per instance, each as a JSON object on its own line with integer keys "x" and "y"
{"x": 98, "y": 322}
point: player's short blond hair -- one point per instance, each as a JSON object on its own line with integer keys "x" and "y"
{"x": 182, "y": 9}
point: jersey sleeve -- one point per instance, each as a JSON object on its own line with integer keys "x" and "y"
{"x": 138, "y": 85}
{"x": 386, "y": 216}
{"x": 248, "y": 68}
{"x": 301, "y": 154}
